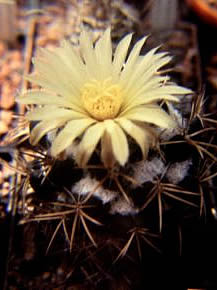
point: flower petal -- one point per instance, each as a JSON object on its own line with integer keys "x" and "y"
{"x": 107, "y": 155}
{"x": 88, "y": 54}
{"x": 43, "y": 128}
{"x": 149, "y": 96}
{"x": 143, "y": 73}
{"x": 120, "y": 55}
{"x": 103, "y": 51}
{"x": 144, "y": 62}
{"x": 119, "y": 141}
{"x": 53, "y": 85}
{"x": 42, "y": 80}
{"x": 61, "y": 71}
{"x": 54, "y": 69}
{"x": 159, "y": 61}
{"x": 68, "y": 134}
{"x": 89, "y": 142}
{"x": 52, "y": 113}
{"x": 67, "y": 52}
{"x": 167, "y": 89}
{"x": 41, "y": 97}
{"x": 132, "y": 59}
{"x": 142, "y": 137}
{"x": 151, "y": 114}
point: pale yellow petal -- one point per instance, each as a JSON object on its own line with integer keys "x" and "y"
{"x": 73, "y": 60}
{"x": 167, "y": 89}
{"x": 151, "y": 114}
{"x": 132, "y": 59}
{"x": 149, "y": 73}
{"x": 142, "y": 84}
{"x": 156, "y": 81}
{"x": 88, "y": 53}
{"x": 140, "y": 135}
{"x": 148, "y": 96}
{"x": 107, "y": 155}
{"x": 151, "y": 56}
{"x": 69, "y": 133}
{"x": 40, "y": 97}
{"x": 120, "y": 55}
{"x": 88, "y": 143}
{"x": 144, "y": 73}
{"x": 43, "y": 128}
{"x": 41, "y": 80}
{"x": 54, "y": 70}
{"x": 53, "y": 112}
{"x": 67, "y": 53}
{"x": 53, "y": 85}
{"x": 143, "y": 64}
{"x": 59, "y": 58}
{"x": 103, "y": 51}
{"x": 149, "y": 90}
{"x": 119, "y": 141}
{"x": 66, "y": 63}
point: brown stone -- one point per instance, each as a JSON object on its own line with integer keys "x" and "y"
{"x": 7, "y": 99}
{"x": 5, "y": 189}
{"x": 3, "y": 127}
{"x": 1, "y": 177}
{"x": 5, "y": 71}
{"x": 2, "y": 48}
{"x": 6, "y": 116}
{"x": 16, "y": 56}
{"x": 16, "y": 79}
{"x": 15, "y": 65}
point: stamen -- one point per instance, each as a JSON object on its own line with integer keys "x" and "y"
{"x": 102, "y": 99}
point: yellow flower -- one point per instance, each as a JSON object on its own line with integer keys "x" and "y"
{"x": 96, "y": 95}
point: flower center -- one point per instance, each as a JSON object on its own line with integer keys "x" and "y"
{"x": 102, "y": 99}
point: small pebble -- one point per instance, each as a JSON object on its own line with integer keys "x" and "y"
{"x": 1, "y": 177}
{"x": 7, "y": 171}
{"x": 15, "y": 55}
{"x": 2, "y": 48}
{"x": 7, "y": 99}
{"x": 41, "y": 41}
{"x": 3, "y": 127}
{"x": 6, "y": 116}
{"x": 15, "y": 65}
{"x": 16, "y": 79}
{"x": 5, "y": 71}
{"x": 5, "y": 188}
